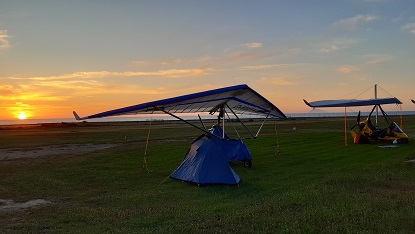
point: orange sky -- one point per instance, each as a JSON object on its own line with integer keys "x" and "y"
{"x": 64, "y": 56}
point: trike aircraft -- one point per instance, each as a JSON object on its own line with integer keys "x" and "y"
{"x": 367, "y": 131}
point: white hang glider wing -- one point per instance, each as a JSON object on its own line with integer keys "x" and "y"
{"x": 241, "y": 99}
{"x": 352, "y": 102}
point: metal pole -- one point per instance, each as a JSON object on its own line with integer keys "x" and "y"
{"x": 345, "y": 127}
{"x": 377, "y": 110}
{"x": 241, "y": 121}
{"x": 200, "y": 119}
{"x": 177, "y": 117}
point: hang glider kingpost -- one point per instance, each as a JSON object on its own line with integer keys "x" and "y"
{"x": 352, "y": 102}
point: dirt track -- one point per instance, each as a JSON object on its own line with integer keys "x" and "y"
{"x": 48, "y": 151}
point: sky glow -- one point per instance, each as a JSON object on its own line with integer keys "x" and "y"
{"x": 93, "y": 56}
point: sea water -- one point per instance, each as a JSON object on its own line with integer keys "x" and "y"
{"x": 188, "y": 117}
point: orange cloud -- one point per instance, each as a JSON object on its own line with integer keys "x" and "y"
{"x": 263, "y": 67}
{"x": 173, "y": 73}
{"x": 4, "y": 40}
{"x": 347, "y": 69}
{"x": 89, "y": 87}
{"x": 280, "y": 81}
{"x": 252, "y": 45}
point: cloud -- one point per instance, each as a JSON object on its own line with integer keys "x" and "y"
{"x": 238, "y": 57}
{"x": 172, "y": 73}
{"x": 6, "y": 90}
{"x": 180, "y": 73}
{"x": 347, "y": 69}
{"x": 353, "y": 23}
{"x": 173, "y": 62}
{"x": 376, "y": 59}
{"x": 279, "y": 80}
{"x": 29, "y": 93}
{"x": 330, "y": 48}
{"x": 252, "y": 45}
{"x": 410, "y": 28}
{"x": 337, "y": 44}
{"x": 62, "y": 90}
{"x": 89, "y": 87}
{"x": 263, "y": 67}
{"x": 4, "y": 40}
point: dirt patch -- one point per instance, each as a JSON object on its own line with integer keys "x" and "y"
{"x": 10, "y": 205}
{"x": 53, "y": 150}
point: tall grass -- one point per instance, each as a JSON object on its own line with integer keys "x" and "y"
{"x": 301, "y": 181}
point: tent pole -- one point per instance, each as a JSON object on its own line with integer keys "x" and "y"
{"x": 223, "y": 120}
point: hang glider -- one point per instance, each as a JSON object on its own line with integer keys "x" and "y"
{"x": 207, "y": 160}
{"x": 352, "y": 102}
{"x": 413, "y": 100}
{"x": 241, "y": 99}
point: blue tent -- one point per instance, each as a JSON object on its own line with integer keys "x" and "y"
{"x": 207, "y": 161}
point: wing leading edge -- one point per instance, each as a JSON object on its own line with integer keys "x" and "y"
{"x": 240, "y": 98}
{"x": 352, "y": 102}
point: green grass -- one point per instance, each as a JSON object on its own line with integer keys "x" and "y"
{"x": 311, "y": 183}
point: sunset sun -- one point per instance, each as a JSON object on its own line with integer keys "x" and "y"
{"x": 22, "y": 115}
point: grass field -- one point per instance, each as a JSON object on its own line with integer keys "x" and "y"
{"x": 303, "y": 181}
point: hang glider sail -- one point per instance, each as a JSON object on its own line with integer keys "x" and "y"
{"x": 240, "y": 99}
{"x": 352, "y": 102}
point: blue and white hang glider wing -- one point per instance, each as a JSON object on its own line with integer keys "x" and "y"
{"x": 352, "y": 102}
{"x": 241, "y": 99}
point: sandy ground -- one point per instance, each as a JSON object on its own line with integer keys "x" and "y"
{"x": 48, "y": 151}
